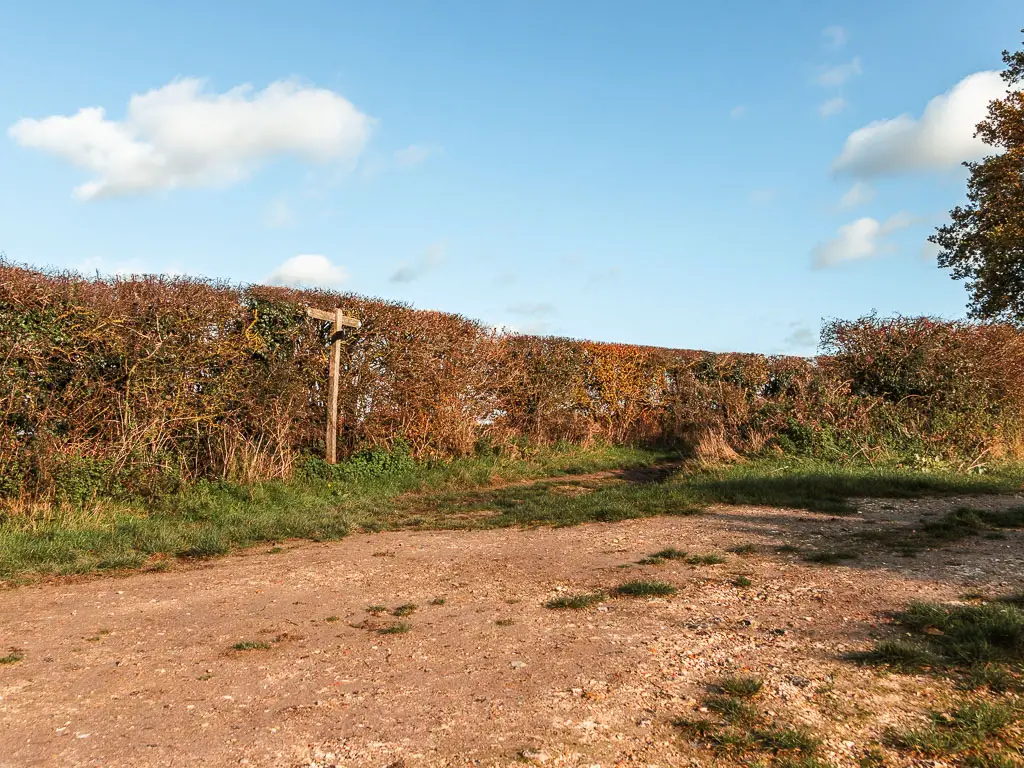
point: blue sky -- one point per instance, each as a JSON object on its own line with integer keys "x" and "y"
{"x": 717, "y": 176}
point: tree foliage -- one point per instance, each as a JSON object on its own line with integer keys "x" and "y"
{"x": 984, "y": 241}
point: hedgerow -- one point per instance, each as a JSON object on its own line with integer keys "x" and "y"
{"x": 135, "y": 386}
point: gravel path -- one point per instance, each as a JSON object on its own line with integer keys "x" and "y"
{"x": 140, "y": 670}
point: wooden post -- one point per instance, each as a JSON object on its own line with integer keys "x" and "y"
{"x": 332, "y": 389}
{"x": 339, "y": 321}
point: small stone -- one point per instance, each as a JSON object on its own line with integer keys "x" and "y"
{"x": 517, "y": 664}
{"x": 536, "y": 755}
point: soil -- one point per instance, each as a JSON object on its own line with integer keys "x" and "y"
{"x": 140, "y": 670}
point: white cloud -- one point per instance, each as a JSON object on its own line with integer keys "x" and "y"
{"x": 280, "y": 214}
{"x": 835, "y": 37}
{"x": 737, "y": 112}
{"x": 182, "y": 136}
{"x": 857, "y": 240}
{"x": 859, "y": 194}
{"x": 833, "y": 77}
{"x": 309, "y": 270}
{"x": 943, "y": 137}
{"x": 832, "y": 106}
{"x": 428, "y": 262}
{"x": 415, "y": 154}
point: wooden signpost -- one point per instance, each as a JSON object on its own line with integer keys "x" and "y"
{"x": 339, "y": 321}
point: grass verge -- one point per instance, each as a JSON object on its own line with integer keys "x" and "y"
{"x": 210, "y": 519}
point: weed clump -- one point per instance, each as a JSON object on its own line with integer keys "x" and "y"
{"x": 575, "y": 602}
{"x": 251, "y": 645}
{"x": 640, "y": 588}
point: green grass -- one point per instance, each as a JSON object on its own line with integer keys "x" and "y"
{"x": 640, "y": 588}
{"x": 211, "y": 518}
{"x": 743, "y": 549}
{"x": 576, "y": 602}
{"x": 732, "y": 709}
{"x": 952, "y": 527}
{"x": 980, "y": 645}
{"x": 970, "y": 725}
{"x": 706, "y": 559}
{"x": 11, "y": 658}
{"x": 437, "y": 601}
{"x": 398, "y": 628}
{"x": 740, "y": 685}
{"x": 742, "y": 581}
{"x": 405, "y": 610}
{"x": 670, "y": 553}
{"x": 251, "y": 645}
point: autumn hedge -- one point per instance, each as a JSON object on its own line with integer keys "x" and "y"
{"x": 137, "y": 385}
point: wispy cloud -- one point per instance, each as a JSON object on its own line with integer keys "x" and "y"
{"x": 407, "y": 272}
{"x": 835, "y": 37}
{"x": 859, "y": 194}
{"x": 835, "y": 76}
{"x": 832, "y": 106}
{"x": 280, "y": 214}
{"x": 416, "y": 154}
{"x": 858, "y": 240}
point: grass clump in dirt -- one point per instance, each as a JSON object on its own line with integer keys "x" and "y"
{"x": 407, "y": 609}
{"x": 742, "y": 581}
{"x": 733, "y": 710}
{"x": 576, "y": 602}
{"x": 398, "y": 628}
{"x": 332, "y": 619}
{"x": 670, "y": 553}
{"x": 376, "y": 610}
{"x": 745, "y": 686}
{"x": 972, "y": 725}
{"x": 705, "y": 559}
{"x": 642, "y": 588}
{"x": 952, "y": 527}
{"x": 743, "y": 549}
{"x": 981, "y": 644}
{"x": 11, "y": 658}
{"x": 437, "y": 601}
{"x": 504, "y": 622}
{"x": 250, "y": 645}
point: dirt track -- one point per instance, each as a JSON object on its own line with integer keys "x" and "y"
{"x": 140, "y": 671}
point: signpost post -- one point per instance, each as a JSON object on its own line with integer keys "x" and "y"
{"x": 339, "y": 321}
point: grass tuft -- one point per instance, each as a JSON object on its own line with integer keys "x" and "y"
{"x": 733, "y": 710}
{"x": 398, "y": 628}
{"x": 740, "y": 685}
{"x": 251, "y": 645}
{"x": 670, "y": 553}
{"x": 11, "y": 658}
{"x": 576, "y": 602}
{"x": 406, "y": 609}
{"x": 640, "y": 588}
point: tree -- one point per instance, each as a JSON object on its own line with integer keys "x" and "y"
{"x": 984, "y": 241}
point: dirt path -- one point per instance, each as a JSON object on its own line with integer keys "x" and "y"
{"x": 140, "y": 671}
